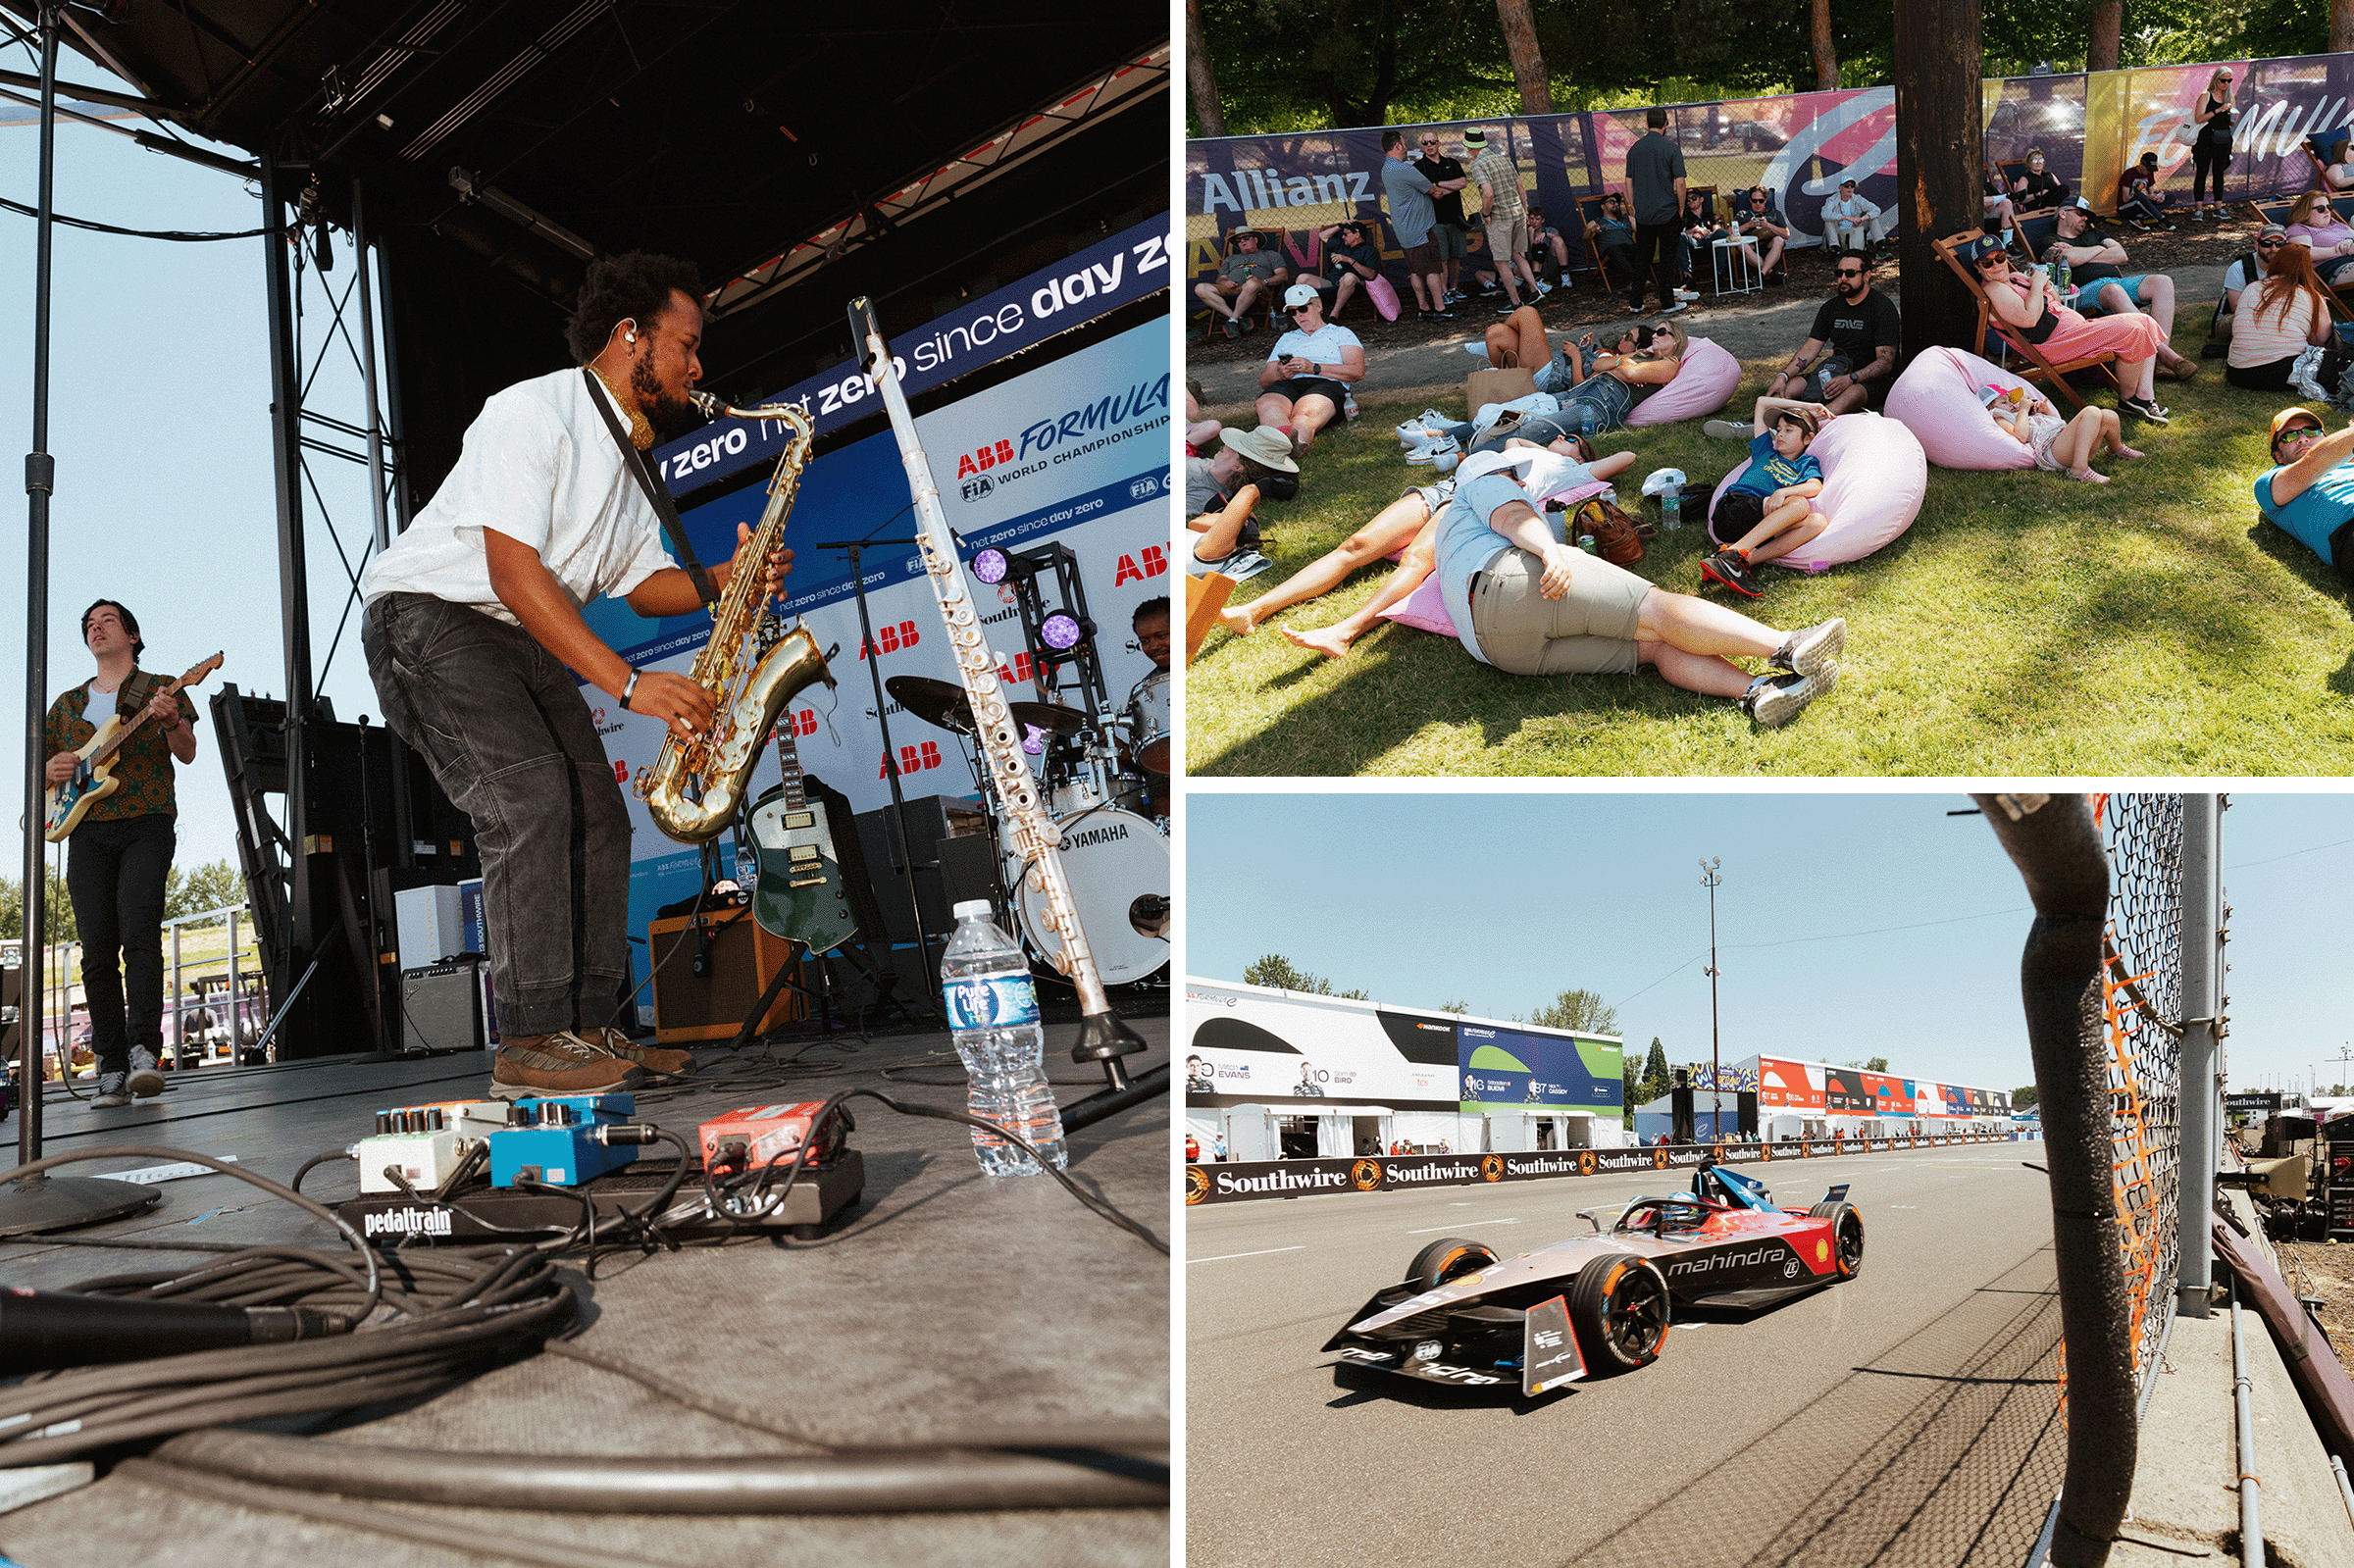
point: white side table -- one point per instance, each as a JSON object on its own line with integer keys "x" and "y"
{"x": 1738, "y": 273}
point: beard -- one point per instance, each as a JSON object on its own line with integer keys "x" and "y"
{"x": 670, "y": 416}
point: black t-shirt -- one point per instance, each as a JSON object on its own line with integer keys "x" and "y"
{"x": 1449, "y": 207}
{"x": 1855, "y": 332}
{"x": 2090, "y": 271}
{"x": 2044, "y": 191}
{"x": 1337, "y": 257}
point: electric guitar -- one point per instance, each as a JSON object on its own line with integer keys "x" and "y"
{"x": 800, "y": 896}
{"x": 92, "y": 779}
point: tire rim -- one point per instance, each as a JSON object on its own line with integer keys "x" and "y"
{"x": 1470, "y": 1260}
{"x": 1851, "y": 1245}
{"x": 1636, "y": 1319}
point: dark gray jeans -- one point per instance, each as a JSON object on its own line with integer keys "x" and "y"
{"x": 115, "y": 874}
{"x": 507, "y": 734}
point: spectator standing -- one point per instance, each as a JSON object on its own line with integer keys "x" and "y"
{"x": 2210, "y": 154}
{"x": 1503, "y": 213}
{"x": 1851, "y": 224}
{"x": 1413, "y": 217}
{"x": 1655, "y": 183}
{"x": 1448, "y": 232}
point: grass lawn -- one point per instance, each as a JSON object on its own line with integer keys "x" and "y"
{"x": 2024, "y": 624}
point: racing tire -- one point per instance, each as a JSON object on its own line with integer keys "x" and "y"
{"x": 1447, "y": 1258}
{"x": 1619, "y": 1308}
{"x": 1846, "y": 1237}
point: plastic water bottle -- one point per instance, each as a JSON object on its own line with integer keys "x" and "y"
{"x": 993, "y": 1016}
{"x": 2063, "y": 278}
{"x": 1672, "y": 508}
{"x": 1585, "y": 420}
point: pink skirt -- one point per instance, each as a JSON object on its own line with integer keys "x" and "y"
{"x": 2130, "y": 335}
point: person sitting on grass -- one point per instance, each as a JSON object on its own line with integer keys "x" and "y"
{"x": 2138, "y": 198}
{"x": 1525, "y": 602}
{"x": 2278, "y": 319}
{"x": 1305, "y": 383}
{"x": 2063, "y": 446}
{"x": 2245, "y": 271}
{"x": 1221, "y": 495}
{"x": 1764, "y": 514}
{"x": 1247, "y": 277}
{"x": 1602, "y": 385}
{"x": 1403, "y": 524}
{"x": 2309, "y": 490}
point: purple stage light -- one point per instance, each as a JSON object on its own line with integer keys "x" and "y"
{"x": 1060, "y": 632}
{"x": 992, "y": 565}
{"x": 1034, "y": 740}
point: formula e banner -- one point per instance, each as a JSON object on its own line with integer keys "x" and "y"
{"x": 1103, "y": 494}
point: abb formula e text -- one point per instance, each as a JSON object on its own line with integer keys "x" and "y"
{"x": 1466, "y": 1317}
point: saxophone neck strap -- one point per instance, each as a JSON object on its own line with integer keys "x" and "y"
{"x": 635, "y": 462}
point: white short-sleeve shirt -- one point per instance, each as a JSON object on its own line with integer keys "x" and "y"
{"x": 540, "y": 467}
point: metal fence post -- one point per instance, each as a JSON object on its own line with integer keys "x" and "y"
{"x": 180, "y": 1017}
{"x": 2202, "y": 938}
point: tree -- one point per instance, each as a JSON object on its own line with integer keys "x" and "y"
{"x": 1655, "y": 1071}
{"x": 1455, "y": 1007}
{"x": 1519, "y": 27}
{"x": 2024, "y": 1100}
{"x": 1275, "y": 972}
{"x": 58, "y": 919}
{"x": 1582, "y": 1010}
{"x": 1877, "y": 1064}
{"x": 1940, "y": 145}
{"x": 213, "y": 886}
{"x": 1820, "y": 45}
{"x": 2108, "y": 18}
{"x": 1200, "y": 78}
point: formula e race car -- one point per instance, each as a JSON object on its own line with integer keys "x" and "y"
{"x": 1599, "y": 1303}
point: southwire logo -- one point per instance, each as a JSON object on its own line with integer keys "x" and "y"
{"x": 406, "y": 1222}
{"x": 1281, "y": 1181}
{"x": 1606, "y": 1161}
{"x": 1433, "y": 1173}
{"x": 1547, "y": 1165}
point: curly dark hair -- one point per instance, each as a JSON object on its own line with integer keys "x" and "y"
{"x": 632, "y": 287}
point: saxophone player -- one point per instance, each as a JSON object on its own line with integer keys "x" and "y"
{"x": 473, "y": 616}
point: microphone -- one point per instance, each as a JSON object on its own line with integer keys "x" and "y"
{"x": 44, "y": 1330}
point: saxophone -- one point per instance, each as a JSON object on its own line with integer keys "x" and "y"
{"x": 695, "y": 786}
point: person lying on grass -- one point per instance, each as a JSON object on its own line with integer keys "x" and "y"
{"x": 2309, "y": 490}
{"x": 1222, "y": 492}
{"x": 1600, "y": 383}
{"x": 1764, "y": 514}
{"x": 2064, "y": 446}
{"x": 1525, "y": 602}
{"x": 1405, "y": 524}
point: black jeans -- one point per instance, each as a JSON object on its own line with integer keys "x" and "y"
{"x": 508, "y": 736}
{"x": 115, "y": 874}
{"x": 2206, "y": 158}
{"x": 1655, "y": 253}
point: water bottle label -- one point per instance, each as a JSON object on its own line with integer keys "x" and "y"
{"x": 998, "y": 1002}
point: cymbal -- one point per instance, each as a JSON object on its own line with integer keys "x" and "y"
{"x": 939, "y": 702}
{"x": 942, "y": 702}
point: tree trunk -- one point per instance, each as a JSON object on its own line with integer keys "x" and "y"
{"x": 1528, "y": 63}
{"x": 2108, "y": 18}
{"x": 1826, "y": 53}
{"x": 1940, "y": 149}
{"x": 1198, "y": 77}
{"x": 2342, "y": 25}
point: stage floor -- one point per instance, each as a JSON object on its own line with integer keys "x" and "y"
{"x": 942, "y": 1306}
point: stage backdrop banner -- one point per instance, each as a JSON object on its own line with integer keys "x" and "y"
{"x": 1249, "y": 1045}
{"x": 1099, "y": 483}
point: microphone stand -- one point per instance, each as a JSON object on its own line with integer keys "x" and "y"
{"x": 29, "y": 1205}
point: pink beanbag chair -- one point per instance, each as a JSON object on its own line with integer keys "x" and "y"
{"x": 1937, "y": 400}
{"x": 1703, "y": 386}
{"x": 1873, "y": 476}
{"x": 1426, "y": 607}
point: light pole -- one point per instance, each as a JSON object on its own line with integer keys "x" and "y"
{"x": 1710, "y": 880}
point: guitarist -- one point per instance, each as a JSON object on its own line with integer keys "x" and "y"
{"x": 122, "y": 851}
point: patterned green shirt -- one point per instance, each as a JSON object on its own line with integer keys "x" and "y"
{"x": 143, "y": 763}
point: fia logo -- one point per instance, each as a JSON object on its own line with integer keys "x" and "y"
{"x": 1144, "y": 489}
{"x": 977, "y": 489}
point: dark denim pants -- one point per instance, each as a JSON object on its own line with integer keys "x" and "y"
{"x": 115, "y": 874}
{"x": 507, "y": 734}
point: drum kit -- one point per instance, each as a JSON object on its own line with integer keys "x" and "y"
{"x": 1107, "y": 788}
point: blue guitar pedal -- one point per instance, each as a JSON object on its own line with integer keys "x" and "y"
{"x": 549, "y": 1139}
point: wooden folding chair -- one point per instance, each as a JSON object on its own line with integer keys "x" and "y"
{"x": 2276, "y": 212}
{"x": 2317, "y": 149}
{"x": 1205, "y": 596}
{"x": 2035, "y": 234}
{"x": 2054, "y": 373}
{"x": 1589, "y": 211}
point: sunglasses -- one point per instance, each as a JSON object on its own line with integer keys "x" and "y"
{"x": 1845, "y": 272}
{"x": 2296, "y": 433}
{"x": 1999, "y": 259}
{"x": 2270, "y": 244}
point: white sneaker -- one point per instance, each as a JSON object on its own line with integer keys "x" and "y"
{"x": 146, "y": 1080}
{"x": 1687, "y": 295}
{"x": 1430, "y": 450}
{"x": 1543, "y": 288}
{"x": 1445, "y": 461}
{"x": 1678, "y": 306}
{"x": 1476, "y": 350}
{"x": 1436, "y": 419}
{"x": 1243, "y": 564}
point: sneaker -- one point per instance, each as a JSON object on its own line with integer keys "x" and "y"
{"x": 1445, "y": 461}
{"x": 1476, "y": 350}
{"x": 112, "y": 1091}
{"x": 2184, "y": 370}
{"x": 1485, "y": 289}
{"x": 1806, "y": 651}
{"x": 669, "y": 1064}
{"x": 1776, "y": 279}
{"x": 1773, "y": 701}
{"x": 1434, "y": 418}
{"x": 1431, "y": 448}
{"x": 1455, "y": 296}
{"x": 2145, "y": 409}
{"x": 1729, "y": 430}
{"x": 1508, "y": 308}
{"x": 1243, "y": 564}
{"x": 1434, "y": 315}
{"x": 1543, "y": 288}
{"x": 562, "y": 1063}
{"x": 1234, "y": 329}
{"x": 1730, "y": 567}
{"x": 146, "y": 1079}
{"x": 1677, "y": 308}
{"x": 1687, "y": 295}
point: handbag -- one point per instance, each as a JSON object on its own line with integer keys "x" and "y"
{"x": 1616, "y": 536}
{"x": 1384, "y": 297}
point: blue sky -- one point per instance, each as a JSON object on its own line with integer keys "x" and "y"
{"x": 160, "y": 424}
{"x": 1848, "y": 925}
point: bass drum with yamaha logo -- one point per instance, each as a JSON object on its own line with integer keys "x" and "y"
{"x": 1117, "y": 864}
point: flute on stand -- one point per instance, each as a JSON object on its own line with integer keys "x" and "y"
{"x": 1104, "y": 1036}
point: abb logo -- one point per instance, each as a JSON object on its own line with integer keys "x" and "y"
{"x": 620, "y": 773}
{"x": 912, "y": 759}
{"x": 1155, "y": 562}
{"x": 986, "y": 458}
{"x": 1021, "y": 668}
{"x": 890, "y": 639}
{"x": 803, "y": 722}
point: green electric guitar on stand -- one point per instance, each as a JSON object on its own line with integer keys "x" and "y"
{"x": 800, "y": 896}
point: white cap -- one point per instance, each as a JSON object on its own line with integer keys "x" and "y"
{"x": 1664, "y": 479}
{"x": 1300, "y": 294}
{"x": 974, "y": 909}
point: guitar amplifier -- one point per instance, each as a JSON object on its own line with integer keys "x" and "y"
{"x": 441, "y": 1006}
{"x": 740, "y": 960}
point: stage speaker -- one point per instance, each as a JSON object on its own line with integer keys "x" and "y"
{"x": 1746, "y": 1110}
{"x": 930, "y": 819}
{"x": 968, "y": 870}
{"x": 738, "y": 960}
{"x": 1679, "y": 1108}
{"x": 441, "y": 1006}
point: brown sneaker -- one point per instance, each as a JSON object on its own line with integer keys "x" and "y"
{"x": 558, "y": 1064}
{"x": 653, "y": 1058}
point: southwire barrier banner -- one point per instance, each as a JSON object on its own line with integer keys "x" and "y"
{"x": 2090, "y": 129}
{"x": 1236, "y": 1182}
